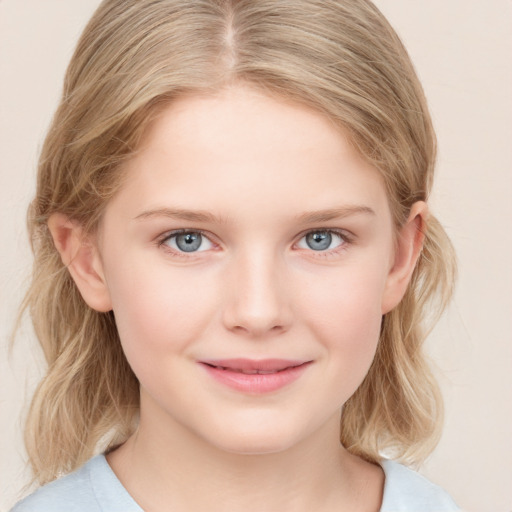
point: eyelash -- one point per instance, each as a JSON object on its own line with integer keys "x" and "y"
{"x": 346, "y": 238}
{"x": 171, "y": 234}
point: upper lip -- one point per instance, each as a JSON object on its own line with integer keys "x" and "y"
{"x": 254, "y": 365}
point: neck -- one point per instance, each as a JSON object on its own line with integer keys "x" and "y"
{"x": 172, "y": 469}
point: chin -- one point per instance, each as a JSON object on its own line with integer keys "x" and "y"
{"x": 259, "y": 446}
{"x": 256, "y": 440}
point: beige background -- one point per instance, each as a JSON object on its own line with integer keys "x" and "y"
{"x": 462, "y": 50}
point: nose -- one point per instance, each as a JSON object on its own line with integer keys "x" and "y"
{"x": 257, "y": 299}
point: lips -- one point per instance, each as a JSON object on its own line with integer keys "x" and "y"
{"x": 255, "y": 376}
{"x": 249, "y": 372}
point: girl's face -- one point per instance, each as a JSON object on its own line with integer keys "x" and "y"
{"x": 248, "y": 260}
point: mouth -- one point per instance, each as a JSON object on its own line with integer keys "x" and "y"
{"x": 255, "y": 376}
{"x": 248, "y": 372}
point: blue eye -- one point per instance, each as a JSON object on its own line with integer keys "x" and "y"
{"x": 188, "y": 241}
{"x": 321, "y": 240}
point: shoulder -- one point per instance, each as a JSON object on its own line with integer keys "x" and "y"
{"x": 73, "y": 493}
{"x": 92, "y": 488}
{"x": 407, "y": 491}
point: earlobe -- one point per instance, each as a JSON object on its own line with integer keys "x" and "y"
{"x": 408, "y": 249}
{"x": 81, "y": 257}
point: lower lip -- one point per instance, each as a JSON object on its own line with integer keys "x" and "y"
{"x": 256, "y": 383}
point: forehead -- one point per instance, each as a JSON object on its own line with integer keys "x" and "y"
{"x": 243, "y": 151}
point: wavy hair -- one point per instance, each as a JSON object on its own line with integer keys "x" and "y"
{"x": 339, "y": 57}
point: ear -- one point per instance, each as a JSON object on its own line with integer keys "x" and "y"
{"x": 81, "y": 257}
{"x": 408, "y": 248}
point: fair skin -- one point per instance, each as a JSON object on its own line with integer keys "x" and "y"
{"x": 260, "y": 277}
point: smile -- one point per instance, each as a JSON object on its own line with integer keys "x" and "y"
{"x": 255, "y": 376}
{"x": 249, "y": 372}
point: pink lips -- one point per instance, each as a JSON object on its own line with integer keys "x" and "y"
{"x": 255, "y": 376}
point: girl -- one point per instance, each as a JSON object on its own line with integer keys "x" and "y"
{"x": 233, "y": 261}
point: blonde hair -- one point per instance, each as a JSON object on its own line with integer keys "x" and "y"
{"x": 341, "y": 58}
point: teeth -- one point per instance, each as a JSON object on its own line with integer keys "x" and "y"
{"x": 258, "y": 372}
{"x": 249, "y": 372}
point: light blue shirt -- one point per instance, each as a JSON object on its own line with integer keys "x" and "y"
{"x": 95, "y": 488}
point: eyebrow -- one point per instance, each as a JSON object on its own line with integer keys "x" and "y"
{"x": 181, "y": 214}
{"x": 306, "y": 217}
{"x": 334, "y": 213}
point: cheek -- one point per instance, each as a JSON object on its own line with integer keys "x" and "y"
{"x": 345, "y": 315}
{"x": 347, "y": 299}
{"x": 159, "y": 312}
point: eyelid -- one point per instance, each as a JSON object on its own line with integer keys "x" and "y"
{"x": 161, "y": 240}
{"x": 345, "y": 235}
{"x": 337, "y": 231}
